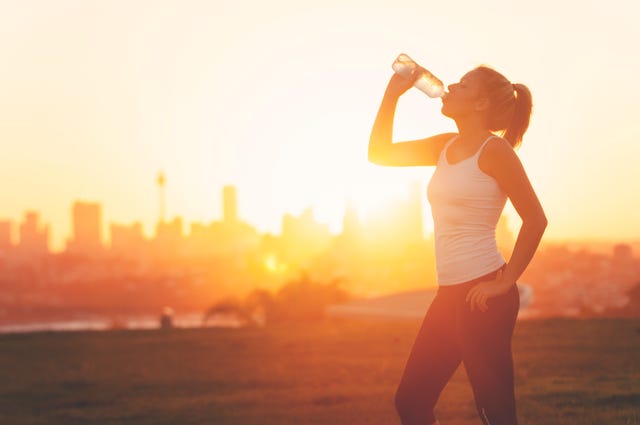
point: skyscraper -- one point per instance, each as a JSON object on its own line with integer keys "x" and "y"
{"x": 86, "y": 228}
{"x": 34, "y": 240}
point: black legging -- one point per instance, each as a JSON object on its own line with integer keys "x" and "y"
{"x": 451, "y": 333}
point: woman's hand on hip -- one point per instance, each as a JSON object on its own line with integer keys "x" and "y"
{"x": 478, "y": 295}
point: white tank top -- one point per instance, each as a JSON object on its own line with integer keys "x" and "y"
{"x": 466, "y": 204}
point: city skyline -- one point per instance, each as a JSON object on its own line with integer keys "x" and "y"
{"x": 279, "y": 100}
{"x": 32, "y": 219}
{"x": 91, "y": 234}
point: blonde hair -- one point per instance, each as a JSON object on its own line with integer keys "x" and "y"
{"x": 510, "y": 105}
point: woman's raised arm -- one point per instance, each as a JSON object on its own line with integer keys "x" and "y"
{"x": 383, "y": 151}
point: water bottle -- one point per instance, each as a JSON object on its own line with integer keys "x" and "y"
{"x": 422, "y": 79}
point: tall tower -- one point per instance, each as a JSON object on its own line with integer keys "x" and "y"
{"x": 229, "y": 204}
{"x": 161, "y": 181}
{"x": 86, "y": 220}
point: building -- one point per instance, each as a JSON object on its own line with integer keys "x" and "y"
{"x": 86, "y": 229}
{"x": 127, "y": 241}
{"x": 6, "y": 236}
{"x": 169, "y": 240}
{"x": 303, "y": 238}
{"x": 34, "y": 238}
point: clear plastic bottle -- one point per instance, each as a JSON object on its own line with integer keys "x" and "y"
{"x": 422, "y": 78}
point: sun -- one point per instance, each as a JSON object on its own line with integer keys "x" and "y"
{"x": 371, "y": 196}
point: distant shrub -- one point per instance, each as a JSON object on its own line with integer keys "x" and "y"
{"x": 227, "y": 307}
{"x": 300, "y": 300}
{"x": 303, "y": 300}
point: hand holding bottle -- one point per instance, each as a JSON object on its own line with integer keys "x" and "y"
{"x": 398, "y": 85}
{"x": 417, "y": 76}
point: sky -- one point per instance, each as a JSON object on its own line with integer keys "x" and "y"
{"x": 278, "y": 98}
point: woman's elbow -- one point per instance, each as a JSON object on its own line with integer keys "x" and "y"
{"x": 543, "y": 221}
{"x": 375, "y": 157}
{"x": 538, "y": 222}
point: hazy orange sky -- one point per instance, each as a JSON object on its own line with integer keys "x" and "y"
{"x": 278, "y": 98}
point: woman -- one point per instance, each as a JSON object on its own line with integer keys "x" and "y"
{"x": 472, "y": 317}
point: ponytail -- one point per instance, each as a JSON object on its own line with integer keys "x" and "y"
{"x": 510, "y": 105}
{"x": 521, "y": 115}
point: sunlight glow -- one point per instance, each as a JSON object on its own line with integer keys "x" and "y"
{"x": 273, "y": 265}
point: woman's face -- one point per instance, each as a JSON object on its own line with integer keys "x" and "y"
{"x": 464, "y": 98}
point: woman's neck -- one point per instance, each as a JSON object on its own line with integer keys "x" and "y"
{"x": 472, "y": 133}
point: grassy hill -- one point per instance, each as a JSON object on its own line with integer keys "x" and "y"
{"x": 335, "y": 372}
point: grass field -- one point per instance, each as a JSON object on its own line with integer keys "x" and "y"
{"x": 333, "y": 373}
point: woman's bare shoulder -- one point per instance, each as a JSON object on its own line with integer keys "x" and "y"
{"x": 495, "y": 153}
